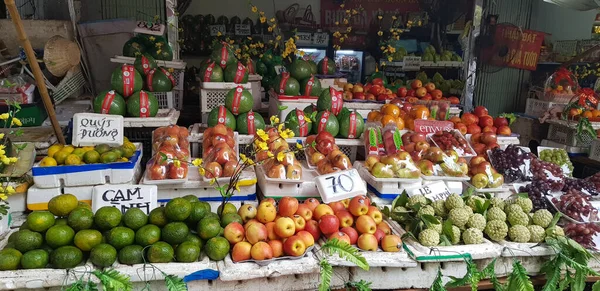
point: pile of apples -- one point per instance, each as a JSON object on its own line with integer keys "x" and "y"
{"x": 479, "y": 121}
{"x": 288, "y": 168}
{"x": 420, "y": 91}
{"x": 416, "y": 144}
{"x": 372, "y": 91}
{"x": 483, "y": 175}
{"x": 217, "y": 151}
{"x": 482, "y": 142}
{"x": 436, "y": 161}
{"x": 323, "y": 153}
{"x": 398, "y": 165}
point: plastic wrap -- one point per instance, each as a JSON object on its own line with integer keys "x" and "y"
{"x": 322, "y": 152}
{"x": 373, "y": 138}
{"x": 439, "y": 110}
{"x": 561, "y": 86}
{"x": 392, "y": 139}
{"x": 399, "y": 165}
{"x": 513, "y": 163}
{"x": 452, "y": 140}
{"x": 558, "y": 157}
{"x": 415, "y": 144}
{"x": 218, "y": 154}
{"x": 169, "y": 144}
{"x": 283, "y": 164}
{"x": 576, "y": 206}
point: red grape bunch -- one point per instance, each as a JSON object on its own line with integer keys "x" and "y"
{"x": 576, "y": 205}
{"x": 548, "y": 172}
{"x": 595, "y": 179}
{"x": 580, "y": 184}
{"x": 583, "y": 233}
{"x": 512, "y": 163}
{"x": 537, "y": 191}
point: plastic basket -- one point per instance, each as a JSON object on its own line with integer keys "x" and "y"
{"x": 142, "y": 135}
{"x": 568, "y": 136}
{"x": 537, "y": 108}
{"x": 566, "y": 48}
{"x": 212, "y": 94}
{"x": 595, "y": 150}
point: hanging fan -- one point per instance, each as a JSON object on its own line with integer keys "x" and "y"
{"x": 495, "y": 48}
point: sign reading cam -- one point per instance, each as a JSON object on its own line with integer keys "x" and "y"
{"x": 124, "y": 197}
{"x": 93, "y": 129}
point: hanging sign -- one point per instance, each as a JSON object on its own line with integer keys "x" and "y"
{"x": 340, "y": 185}
{"x": 153, "y": 28}
{"x": 320, "y": 39}
{"x": 304, "y": 38}
{"x": 124, "y": 197}
{"x": 523, "y": 47}
{"x": 215, "y": 29}
{"x": 92, "y": 129}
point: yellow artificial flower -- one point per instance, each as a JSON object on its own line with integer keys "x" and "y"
{"x": 290, "y": 133}
{"x": 278, "y": 37}
{"x": 391, "y": 49}
{"x": 341, "y": 39}
{"x": 254, "y": 9}
{"x": 342, "y": 5}
{"x": 1, "y": 135}
{"x": 270, "y": 29}
{"x": 349, "y": 29}
{"x": 337, "y": 34}
{"x": 301, "y": 54}
{"x": 263, "y": 146}
{"x": 299, "y": 146}
{"x": 177, "y": 163}
{"x": 262, "y": 13}
{"x": 237, "y": 187}
{"x": 152, "y": 38}
{"x": 197, "y": 162}
{"x": 13, "y": 160}
{"x": 354, "y": 12}
{"x": 270, "y": 154}
{"x": 382, "y": 48}
{"x": 249, "y": 38}
{"x": 379, "y": 17}
{"x": 347, "y": 11}
{"x": 3, "y": 197}
{"x": 2, "y": 153}
{"x": 394, "y": 17}
{"x": 4, "y": 116}
{"x": 380, "y": 33}
{"x": 274, "y": 119}
{"x": 263, "y": 19}
{"x": 213, "y": 181}
{"x": 5, "y": 160}
{"x": 307, "y": 119}
{"x": 390, "y": 59}
{"x": 345, "y": 21}
{"x": 280, "y": 127}
{"x": 219, "y": 33}
{"x": 10, "y": 190}
{"x": 280, "y": 156}
{"x": 337, "y": 23}
{"x": 231, "y": 41}
{"x": 201, "y": 171}
{"x": 272, "y": 19}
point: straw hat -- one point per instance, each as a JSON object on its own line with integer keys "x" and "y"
{"x": 60, "y": 55}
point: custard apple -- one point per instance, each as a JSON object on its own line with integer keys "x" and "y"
{"x": 556, "y": 231}
{"x": 454, "y": 201}
{"x": 471, "y": 202}
{"x": 459, "y": 216}
{"x": 439, "y": 208}
{"x": 456, "y": 233}
{"x": 496, "y": 213}
{"x": 542, "y": 218}
{"x": 427, "y": 209}
{"x": 477, "y": 221}
{"x": 468, "y": 209}
{"x": 436, "y": 227}
{"x": 519, "y": 233}
{"x": 472, "y": 236}
{"x": 400, "y": 217}
{"x": 429, "y": 238}
{"x": 537, "y": 233}
{"x": 518, "y": 218}
{"x": 525, "y": 204}
{"x": 496, "y": 230}
{"x": 497, "y": 202}
{"x": 512, "y": 207}
{"x": 416, "y": 199}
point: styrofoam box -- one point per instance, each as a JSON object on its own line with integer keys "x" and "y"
{"x": 87, "y": 175}
{"x": 303, "y": 188}
{"x": 37, "y": 198}
{"x": 386, "y": 188}
{"x": 231, "y": 271}
{"x": 513, "y": 249}
{"x": 138, "y": 273}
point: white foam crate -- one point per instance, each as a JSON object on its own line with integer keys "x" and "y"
{"x": 419, "y": 277}
{"x": 337, "y": 83}
{"x": 537, "y": 108}
{"x": 138, "y": 273}
{"x": 386, "y": 188}
{"x": 513, "y": 249}
{"x": 230, "y": 271}
{"x": 88, "y": 175}
{"x": 303, "y": 188}
{"x": 164, "y": 117}
{"x": 569, "y": 149}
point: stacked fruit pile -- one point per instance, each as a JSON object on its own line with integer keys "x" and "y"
{"x": 156, "y": 46}
{"x": 432, "y": 89}
{"x": 479, "y": 121}
{"x": 70, "y": 156}
{"x": 278, "y": 161}
{"x": 435, "y": 162}
{"x": 558, "y": 157}
{"x": 170, "y": 144}
{"x": 398, "y": 165}
{"x": 404, "y": 114}
{"x": 218, "y": 153}
{"x": 375, "y": 90}
{"x": 322, "y": 153}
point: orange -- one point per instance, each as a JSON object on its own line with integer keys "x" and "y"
{"x": 402, "y": 114}
{"x": 400, "y": 123}
{"x": 383, "y": 107}
{"x": 409, "y": 123}
{"x": 391, "y": 109}
{"x": 387, "y": 119}
{"x": 419, "y": 112}
{"x": 373, "y": 115}
{"x": 587, "y": 114}
{"x": 595, "y": 113}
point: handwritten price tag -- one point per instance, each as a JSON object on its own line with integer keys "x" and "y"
{"x": 125, "y": 196}
{"x": 434, "y": 191}
{"x": 153, "y": 28}
{"x": 304, "y": 38}
{"x": 341, "y": 185}
{"x": 93, "y": 129}
{"x": 280, "y": 69}
{"x": 242, "y": 29}
{"x": 321, "y": 39}
{"x": 215, "y": 29}
{"x": 412, "y": 63}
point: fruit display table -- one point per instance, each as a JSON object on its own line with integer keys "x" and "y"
{"x": 275, "y": 103}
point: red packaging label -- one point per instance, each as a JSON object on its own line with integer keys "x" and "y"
{"x": 145, "y": 64}
{"x": 144, "y": 104}
{"x": 336, "y": 101}
{"x": 284, "y": 77}
{"x": 221, "y": 115}
{"x": 169, "y": 75}
{"x": 250, "y": 67}
{"x": 149, "y": 78}
{"x": 237, "y": 99}
{"x": 250, "y": 122}
{"x": 324, "y": 65}
{"x": 208, "y": 72}
{"x": 108, "y": 99}
{"x": 239, "y": 73}
{"x": 323, "y": 121}
{"x": 309, "y": 85}
{"x": 303, "y": 127}
{"x": 432, "y": 126}
{"x": 128, "y": 72}
{"x": 352, "y": 128}
{"x": 224, "y": 55}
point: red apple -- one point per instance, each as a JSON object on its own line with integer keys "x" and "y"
{"x": 391, "y": 243}
{"x": 294, "y": 246}
{"x": 366, "y": 224}
{"x": 312, "y": 203}
{"x": 261, "y": 251}
{"x": 488, "y": 138}
{"x": 489, "y": 129}
{"x": 469, "y": 118}
{"x": 461, "y": 127}
{"x": 504, "y": 130}
{"x": 420, "y": 92}
{"x": 375, "y": 214}
{"x": 473, "y": 129}
{"x": 299, "y": 222}
{"x": 416, "y": 84}
{"x": 304, "y": 211}
{"x": 479, "y": 148}
{"x": 312, "y": 226}
{"x": 402, "y": 92}
{"x": 358, "y": 89}
{"x": 379, "y": 234}
{"x": 500, "y": 121}
{"x": 359, "y": 205}
{"x": 418, "y": 137}
{"x": 306, "y": 237}
{"x": 288, "y": 206}
{"x": 241, "y": 251}
{"x": 321, "y": 210}
{"x": 430, "y": 87}
{"x": 486, "y": 120}
{"x": 277, "y": 247}
{"x": 329, "y": 224}
{"x": 351, "y": 232}
{"x": 347, "y": 95}
{"x": 384, "y": 227}
{"x": 377, "y": 81}
{"x": 480, "y": 111}
{"x": 370, "y": 97}
{"x": 367, "y": 242}
{"x": 341, "y": 236}
{"x": 345, "y": 217}
{"x": 234, "y": 232}
{"x": 359, "y": 96}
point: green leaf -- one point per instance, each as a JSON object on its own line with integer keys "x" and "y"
{"x": 112, "y": 280}
{"x": 175, "y": 283}
{"x": 345, "y": 251}
{"x": 282, "y": 107}
{"x": 468, "y": 192}
{"x": 163, "y": 157}
{"x": 447, "y": 229}
{"x": 518, "y": 279}
{"x": 468, "y": 279}
{"x": 19, "y": 132}
{"x": 401, "y": 200}
{"x": 438, "y": 284}
{"x": 444, "y": 241}
{"x": 510, "y": 116}
{"x": 359, "y": 286}
{"x": 326, "y": 274}
{"x": 552, "y": 269}
{"x": 596, "y": 286}
{"x": 429, "y": 219}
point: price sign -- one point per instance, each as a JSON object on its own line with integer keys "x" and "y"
{"x": 280, "y": 69}
{"x": 153, "y": 28}
{"x": 215, "y": 29}
{"x": 304, "y": 38}
{"x": 412, "y": 63}
{"x": 242, "y": 29}
{"x": 341, "y": 185}
{"x": 434, "y": 191}
{"x": 92, "y": 129}
{"x": 125, "y": 196}
{"x": 321, "y": 39}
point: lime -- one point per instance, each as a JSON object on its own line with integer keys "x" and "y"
{"x": 68, "y": 149}
{"x": 10, "y": 259}
{"x": 107, "y": 217}
{"x": 66, "y": 257}
{"x": 60, "y": 157}
{"x": 191, "y": 198}
{"x": 103, "y": 255}
{"x": 178, "y": 209}
{"x": 158, "y": 217}
{"x": 108, "y": 157}
{"x": 48, "y": 162}
{"x": 160, "y": 252}
{"x": 24, "y": 225}
{"x": 72, "y": 159}
{"x": 102, "y": 148}
{"x": 59, "y": 235}
{"x": 229, "y": 208}
{"x": 40, "y": 221}
{"x": 86, "y": 239}
{"x": 147, "y": 235}
{"x": 194, "y": 239}
{"x": 91, "y": 157}
{"x": 118, "y": 152}
{"x": 120, "y": 237}
{"x": 127, "y": 151}
{"x": 79, "y": 152}
{"x": 81, "y": 218}
{"x": 63, "y": 204}
{"x": 131, "y": 255}
{"x": 212, "y": 215}
{"x": 27, "y": 240}
{"x": 53, "y": 149}
{"x": 217, "y": 248}
{"x": 135, "y": 218}
{"x": 229, "y": 218}
{"x": 199, "y": 211}
{"x": 175, "y": 232}
{"x": 82, "y": 204}
{"x": 187, "y": 252}
{"x": 35, "y": 259}
{"x": 209, "y": 227}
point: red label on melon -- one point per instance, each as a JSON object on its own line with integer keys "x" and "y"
{"x": 128, "y": 72}
{"x": 149, "y": 78}
{"x": 237, "y": 99}
{"x": 336, "y": 101}
{"x": 284, "y": 77}
{"x": 352, "y": 128}
{"x": 250, "y": 67}
{"x": 239, "y": 73}
{"x": 222, "y": 115}
{"x": 323, "y": 121}
{"x": 250, "y": 122}
{"x": 324, "y": 65}
{"x": 169, "y": 75}
{"x": 208, "y": 72}
{"x": 302, "y": 126}
{"x": 309, "y": 86}
{"x": 145, "y": 64}
{"x": 224, "y": 55}
{"x": 144, "y": 104}
{"x": 108, "y": 99}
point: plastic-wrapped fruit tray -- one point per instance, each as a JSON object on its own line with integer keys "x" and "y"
{"x": 276, "y": 188}
{"x": 591, "y": 218}
{"x": 500, "y": 189}
{"x": 386, "y": 188}
{"x": 457, "y": 135}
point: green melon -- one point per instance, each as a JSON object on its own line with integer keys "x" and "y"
{"x": 310, "y": 109}
{"x": 326, "y": 102}
{"x": 214, "y": 73}
{"x": 268, "y": 58}
{"x": 296, "y": 121}
{"x": 244, "y": 119}
{"x": 144, "y": 63}
{"x": 326, "y": 66}
{"x": 231, "y": 70}
{"x": 158, "y": 80}
{"x": 316, "y": 87}
{"x": 344, "y": 121}
{"x": 245, "y": 103}
{"x": 290, "y": 87}
{"x": 261, "y": 68}
{"x": 134, "y": 46}
{"x": 223, "y": 55}
{"x": 135, "y": 109}
{"x": 300, "y": 69}
{"x": 313, "y": 67}
{"x": 227, "y": 117}
{"x": 267, "y": 82}
{"x": 330, "y": 123}
{"x": 161, "y": 51}
{"x": 119, "y": 77}
{"x": 103, "y": 104}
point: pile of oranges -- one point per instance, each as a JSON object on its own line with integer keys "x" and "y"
{"x": 403, "y": 117}
{"x": 579, "y": 113}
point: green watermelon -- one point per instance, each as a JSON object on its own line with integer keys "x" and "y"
{"x": 110, "y": 102}
{"x": 159, "y": 80}
{"x": 286, "y": 85}
{"x": 332, "y": 103}
{"x": 351, "y": 124}
{"x": 314, "y": 86}
{"x": 236, "y": 73}
{"x": 326, "y": 66}
{"x": 310, "y": 109}
{"x": 313, "y": 67}
{"x": 126, "y": 80}
{"x": 261, "y": 68}
{"x": 239, "y": 100}
{"x": 300, "y": 69}
{"x": 209, "y": 19}
{"x": 248, "y": 118}
{"x": 144, "y": 63}
{"x": 266, "y": 82}
{"x": 298, "y": 122}
{"x": 223, "y": 55}
{"x": 221, "y": 115}
{"x": 142, "y": 104}
{"x": 325, "y": 121}
{"x": 211, "y": 73}
{"x": 267, "y": 58}
{"x": 134, "y": 46}
{"x": 161, "y": 50}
